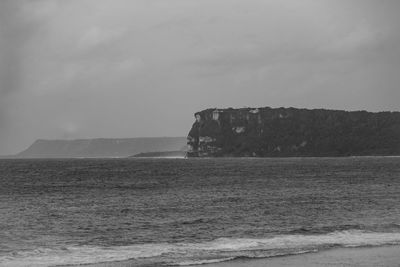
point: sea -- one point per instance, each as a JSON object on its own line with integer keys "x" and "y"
{"x": 182, "y": 212}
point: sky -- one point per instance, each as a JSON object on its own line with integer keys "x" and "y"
{"x": 134, "y": 68}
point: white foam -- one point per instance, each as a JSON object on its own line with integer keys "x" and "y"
{"x": 82, "y": 255}
{"x": 221, "y": 249}
{"x": 351, "y": 238}
{"x": 200, "y": 262}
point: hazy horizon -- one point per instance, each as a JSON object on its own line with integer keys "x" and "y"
{"x": 141, "y": 68}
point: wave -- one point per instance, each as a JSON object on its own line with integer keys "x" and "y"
{"x": 393, "y": 227}
{"x": 183, "y": 254}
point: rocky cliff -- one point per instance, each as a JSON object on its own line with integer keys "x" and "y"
{"x": 282, "y": 132}
{"x": 101, "y": 147}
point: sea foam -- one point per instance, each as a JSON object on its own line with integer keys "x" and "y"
{"x": 221, "y": 249}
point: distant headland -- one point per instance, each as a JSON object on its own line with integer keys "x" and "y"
{"x": 248, "y": 132}
{"x": 292, "y": 132}
{"x": 101, "y": 147}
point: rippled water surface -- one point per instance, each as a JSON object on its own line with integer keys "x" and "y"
{"x": 185, "y": 211}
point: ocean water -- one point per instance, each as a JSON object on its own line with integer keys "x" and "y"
{"x": 190, "y": 211}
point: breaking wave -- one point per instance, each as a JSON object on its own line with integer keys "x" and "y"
{"x": 218, "y": 250}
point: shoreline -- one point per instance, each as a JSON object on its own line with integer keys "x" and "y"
{"x": 384, "y": 256}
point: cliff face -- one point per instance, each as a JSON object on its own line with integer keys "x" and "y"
{"x": 281, "y": 132}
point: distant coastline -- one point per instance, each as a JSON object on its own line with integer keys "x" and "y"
{"x": 101, "y": 147}
{"x": 164, "y": 154}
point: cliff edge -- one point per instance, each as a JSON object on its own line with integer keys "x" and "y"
{"x": 287, "y": 132}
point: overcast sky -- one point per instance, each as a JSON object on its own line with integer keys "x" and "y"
{"x": 132, "y": 68}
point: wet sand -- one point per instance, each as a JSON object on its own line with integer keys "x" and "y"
{"x": 388, "y": 256}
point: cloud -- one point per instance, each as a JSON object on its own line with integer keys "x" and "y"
{"x": 96, "y": 36}
{"x": 359, "y": 38}
{"x": 84, "y": 68}
{"x": 10, "y": 47}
